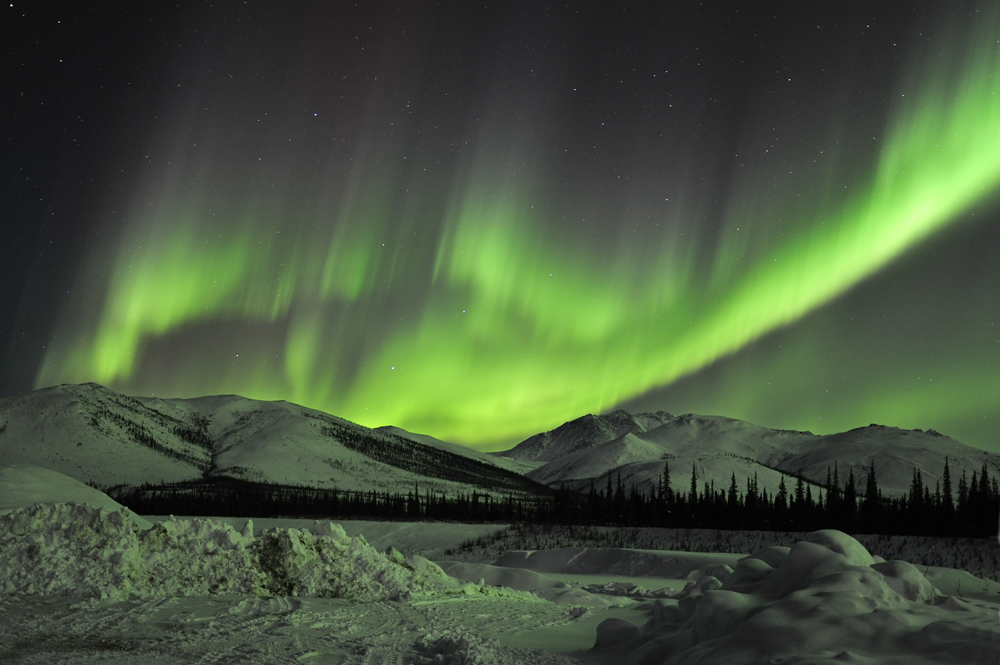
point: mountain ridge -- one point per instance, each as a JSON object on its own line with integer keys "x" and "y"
{"x": 95, "y": 434}
{"x": 718, "y": 447}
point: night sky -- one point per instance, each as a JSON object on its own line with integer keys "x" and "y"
{"x": 478, "y": 222}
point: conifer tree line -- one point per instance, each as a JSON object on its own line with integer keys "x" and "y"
{"x": 227, "y": 497}
{"x": 969, "y": 507}
{"x": 974, "y": 511}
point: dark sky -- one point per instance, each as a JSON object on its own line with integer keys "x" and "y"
{"x": 479, "y": 221}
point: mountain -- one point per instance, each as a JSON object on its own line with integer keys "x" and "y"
{"x": 582, "y": 434}
{"x": 91, "y": 433}
{"x": 594, "y": 448}
{"x": 510, "y": 464}
{"x": 896, "y": 453}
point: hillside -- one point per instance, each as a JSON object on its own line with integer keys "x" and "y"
{"x": 594, "y": 447}
{"x": 517, "y": 466}
{"x": 93, "y": 434}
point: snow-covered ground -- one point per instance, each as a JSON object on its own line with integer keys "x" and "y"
{"x": 85, "y": 583}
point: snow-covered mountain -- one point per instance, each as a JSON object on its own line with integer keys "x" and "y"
{"x": 517, "y": 466}
{"x": 590, "y": 448}
{"x": 91, "y": 433}
{"x": 582, "y": 434}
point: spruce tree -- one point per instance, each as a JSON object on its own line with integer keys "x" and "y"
{"x": 733, "y": 498}
{"x": 871, "y": 506}
{"x": 693, "y": 494}
{"x": 947, "y": 504}
{"x": 916, "y": 492}
{"x": 871, "y": 486}
{"x": 833, "y": 493}
{"x": 850, "y": 502}
{"x": 963, "y": 493}
{"x": 608, "y": 495}
{"x": 780, "y": 511}
{"x": 619, "y": 501}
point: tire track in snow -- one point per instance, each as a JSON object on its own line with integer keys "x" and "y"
{"x": 208, "y": 631}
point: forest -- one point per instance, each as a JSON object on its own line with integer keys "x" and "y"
{"x": 968, "y": 507}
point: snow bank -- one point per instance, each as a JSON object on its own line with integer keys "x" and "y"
{"x": 469, "y": 649}
{"x": 823, "y": 600}
{"x": 81, "y": 550}
{"x": 614, "y": 561}
{"x": 23, "y": 485}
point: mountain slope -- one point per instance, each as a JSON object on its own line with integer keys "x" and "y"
{"x": 91, "y": 433}
{"x": 636, "y": 447}
{"x": 492, "y": 459}
{"x": 897, "y": 453}
{"x": 583, "y": 433}
{"x": 94, "y": 434}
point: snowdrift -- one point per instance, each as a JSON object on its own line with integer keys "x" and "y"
{"x": 825, "y": 599}
{"x": 82, "y": 550}
{"x": 23, "y": 485}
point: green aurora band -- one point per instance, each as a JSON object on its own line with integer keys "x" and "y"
{"x": 500, "y": 327}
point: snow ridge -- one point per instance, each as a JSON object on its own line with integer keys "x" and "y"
{"x": 80, "y": 550}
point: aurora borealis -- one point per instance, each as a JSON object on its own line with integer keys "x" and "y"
{"x": 478, "y": 223}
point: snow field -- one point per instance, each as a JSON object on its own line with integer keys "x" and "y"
{"x": 83, "y": 584}
{"x": 978, "y": 556}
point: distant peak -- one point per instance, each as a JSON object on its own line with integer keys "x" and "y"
{"x": 875, "y": 427}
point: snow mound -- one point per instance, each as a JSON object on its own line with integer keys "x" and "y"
{"x": 470, "y": 649}
{"x": 23, "y": 485}
{"x": 81, "y": 550}
{"x": 824, "y": 600}
{"x": 612, "y": 632}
